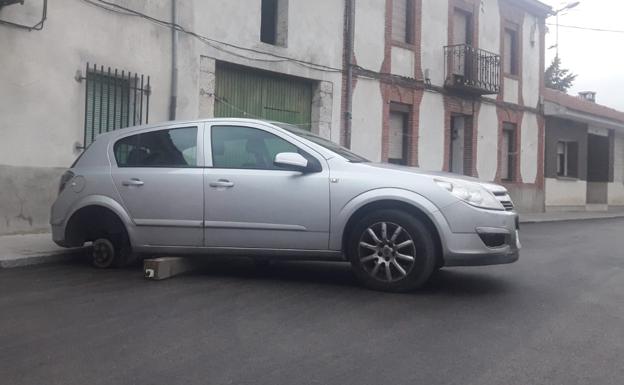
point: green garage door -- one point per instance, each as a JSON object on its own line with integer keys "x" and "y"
{"x": 247, "y": 93}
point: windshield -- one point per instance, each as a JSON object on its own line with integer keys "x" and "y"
{"x": 331, "y": 146}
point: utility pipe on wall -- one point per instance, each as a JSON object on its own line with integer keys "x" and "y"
{"x": 348, "y": 62}
{"x": 173, "y": 103}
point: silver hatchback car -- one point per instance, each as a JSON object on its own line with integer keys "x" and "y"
{"x": 270, "y": 191}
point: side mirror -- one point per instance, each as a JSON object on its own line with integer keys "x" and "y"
{"x": 291, "y": 161}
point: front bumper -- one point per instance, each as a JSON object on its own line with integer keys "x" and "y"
{"x": 478, "y": 237}
{"x": 58, "y": 235}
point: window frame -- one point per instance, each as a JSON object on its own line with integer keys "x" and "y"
{"x": 567, "y": 159}
{"x": 512, "y": 156}
{"x": 207, "y": 145}
{"x": 279, "y": 23}
{"x": 409, "y": 40}
{"x": 514, "y": 59}
{"x": 130, "y": 132}
{"x": 405, "y": 111}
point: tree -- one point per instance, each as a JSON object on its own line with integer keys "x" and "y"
{"x": 558, "y": 78}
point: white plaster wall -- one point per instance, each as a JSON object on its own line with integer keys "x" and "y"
{"x": 531, "y": 61}
{"x": 367, "y": 122}
{"x": 510, "y": 90}
{"x": 431, "y": 132}
{"x": 370, "y": 22}
{"x": 434, "y": 38}
{"x": 487, "y": 142}
{"x": 529, "y": 138}
{"x": 565, "y": 192}
{"x": 616, "y": 194}
{"x": 324, "y": 48}
{"x": 402, "y": 62}
{"x": 42, "y": 106}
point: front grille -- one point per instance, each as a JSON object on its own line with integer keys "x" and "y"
{"x": 508, "y": 205}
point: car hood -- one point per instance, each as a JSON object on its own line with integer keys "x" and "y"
{"x": 494, "y": 188}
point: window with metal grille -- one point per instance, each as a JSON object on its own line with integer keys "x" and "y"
{"x": 114, "y": 99}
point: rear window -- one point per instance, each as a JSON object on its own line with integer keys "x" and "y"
{"x": 176, "y": 147}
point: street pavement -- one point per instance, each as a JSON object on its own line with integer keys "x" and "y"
{"x": 555, "y": 317}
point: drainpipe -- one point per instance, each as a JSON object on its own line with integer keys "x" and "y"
{"x": 350, "y": 11}
{"x": 173, "y": 103}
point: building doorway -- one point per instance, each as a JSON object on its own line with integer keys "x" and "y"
{"x": 398, "y": 138}
{"x": 460, "y": 161}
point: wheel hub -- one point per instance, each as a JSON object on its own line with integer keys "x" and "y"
{"x": 387, "y": 251}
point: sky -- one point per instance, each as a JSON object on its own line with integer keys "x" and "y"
{"x": 596, "y": 57}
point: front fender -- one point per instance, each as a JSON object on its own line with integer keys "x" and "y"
{"x": 418, "y": 201}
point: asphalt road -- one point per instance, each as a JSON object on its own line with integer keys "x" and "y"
{"x": 555, "y": 317}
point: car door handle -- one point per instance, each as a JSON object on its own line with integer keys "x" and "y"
{"x": 222, "y": 183}
{"x": 133, "y": 182}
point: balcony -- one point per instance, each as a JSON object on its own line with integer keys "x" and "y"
{"x": 472, "y": 70}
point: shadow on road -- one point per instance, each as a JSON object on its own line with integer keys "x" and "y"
{"x": 454, "y": 282}
{"x": 447, "y": 282}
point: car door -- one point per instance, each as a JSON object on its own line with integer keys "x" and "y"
{"x": 160, "y": 183}
{"x": 250, "y": 202}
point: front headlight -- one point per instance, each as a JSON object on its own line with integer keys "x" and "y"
{"x": 471, "y": 193}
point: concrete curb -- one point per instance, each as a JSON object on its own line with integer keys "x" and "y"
{"x": 11, "y": 262}
{"x": 570, "y": 218}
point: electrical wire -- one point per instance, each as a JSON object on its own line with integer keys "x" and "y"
{"x": 253, "y": 116}
{"x": 216, "y": 44}
{"x": 586, "y": 28}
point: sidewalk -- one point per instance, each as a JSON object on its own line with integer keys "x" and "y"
{"x": 34, "y": 249}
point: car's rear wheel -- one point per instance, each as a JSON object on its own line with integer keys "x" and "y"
{"x": 103, "y": 253}
{"x": 391, "y": 250}
{"x": 111, "y": 252}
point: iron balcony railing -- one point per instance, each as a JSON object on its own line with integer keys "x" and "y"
{"x": 472, "y": 70}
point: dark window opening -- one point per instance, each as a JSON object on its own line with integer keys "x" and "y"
{"x": 509, "y": 153}
{"x": 511, "y": 55}
{"x": 268, "y": 25}
{"x": 274, "y": 22}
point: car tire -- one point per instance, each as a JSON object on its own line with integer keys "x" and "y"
{"x": 391, "y": 250}
{"x": 103, "y": 254}
{"x": 108, "y": 253}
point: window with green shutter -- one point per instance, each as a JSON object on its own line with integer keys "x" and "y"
{"x": 114, "y": 100}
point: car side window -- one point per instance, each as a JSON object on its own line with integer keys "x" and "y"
{"x": 247, "y": 148}
{"x": 176, "y": 147}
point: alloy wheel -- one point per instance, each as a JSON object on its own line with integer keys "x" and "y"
{"x": 387, "y": 252}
